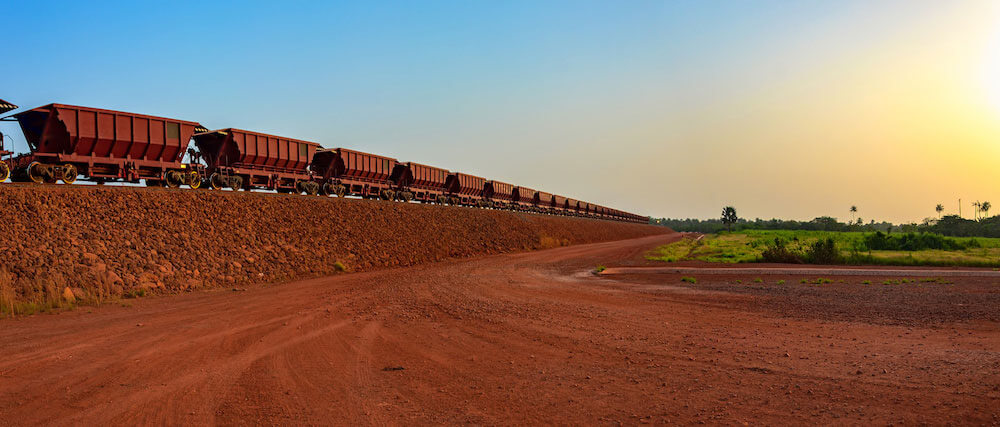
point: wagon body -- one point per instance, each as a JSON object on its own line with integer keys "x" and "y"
{"x": 524, "y": 195}
{"x": 102, "y": 143}
{"x": 498, "y": 191}
{"x": 67, "y": 130}
{"x": 543, "y": 199}
{"x": 419, "y": 176}
{"x": 466, "y": 185}
{"x": 359, "y": 173}
{"x": 560, "y": 202}
{"x": 237, "y": 148}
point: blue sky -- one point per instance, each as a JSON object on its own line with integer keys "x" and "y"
{"x": 619, "y": 103}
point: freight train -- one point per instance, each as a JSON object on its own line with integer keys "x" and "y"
{"x": 68, "y": 142}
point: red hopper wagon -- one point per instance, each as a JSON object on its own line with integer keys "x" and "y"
{"x": 342, "y": 172}
{"x": 466, "y": 189}
{"x": 68, "y": 141}
{"x": 421, "y": 182}
{"x": 241, "y": 159}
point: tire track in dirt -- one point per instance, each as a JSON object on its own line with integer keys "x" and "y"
{"x": 521, "y": 338}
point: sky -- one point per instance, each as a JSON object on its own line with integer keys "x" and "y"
{"x": 787, "y": 109}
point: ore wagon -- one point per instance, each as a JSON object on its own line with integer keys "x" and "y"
{"x": 501, "y": 194}
{"x": 524, "y": 198}
{"x": 466, "y": 189}
{"x": 542, "y": 201}
{"x": 69, "y": 141}
{"x": 423, "y": 183}
{"x": 560, "y": 203}
{"x": 245, "y": 160}
{"x": 343, "y": 172}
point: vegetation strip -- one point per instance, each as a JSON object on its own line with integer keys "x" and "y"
{"x": 802, "y": 271}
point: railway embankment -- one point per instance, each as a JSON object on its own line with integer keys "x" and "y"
{"x": 63, "y": 245}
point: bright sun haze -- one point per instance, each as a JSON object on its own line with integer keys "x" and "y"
{"x": 790, "y": 109}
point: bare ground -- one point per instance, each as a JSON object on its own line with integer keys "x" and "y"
{"x": 512, "y": 339}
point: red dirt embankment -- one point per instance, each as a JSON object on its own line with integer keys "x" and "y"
{"x": 108, "y": 242}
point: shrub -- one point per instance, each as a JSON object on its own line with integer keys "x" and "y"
{"x": 823, "y": 251}
{"x": 781, "y": 282}
{"x": 599, "y": 269}
{"x": 758, "y": 280}
{"x": 339, "y": 267}
{"x": 880, "y": 241}
{"x": 778, "y": 252}
{"x": 691, "y": 280}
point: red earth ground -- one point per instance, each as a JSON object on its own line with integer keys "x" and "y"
{"x": 517, "y": 338}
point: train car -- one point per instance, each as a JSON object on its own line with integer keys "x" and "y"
{"x": 426, "y": 184}
{"x": 560, "y": 203}
{"x": 5, "y": 167}
{"x": 499, "y": 194}
{"x": 342, "y": 171}
{"x": 573, "y": 207}
{"x": 68, "y": 141}
{"x": 245, "y": 160}
{"x": 466, "y": 190}
{"x": 542, "y": 201}
{"x": 523, "y": 198}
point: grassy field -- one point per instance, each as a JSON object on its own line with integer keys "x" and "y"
{"x": 747, "y": 246}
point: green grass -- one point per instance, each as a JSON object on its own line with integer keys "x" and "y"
{"x": 747, "y": 246}
{"x": 691, "y": 280}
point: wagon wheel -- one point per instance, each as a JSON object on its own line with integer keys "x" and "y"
{"x": 172, "y": 179}
{"x": 194, "y": 179}
{"x": 442, "y": 199}
{"x": 453, "y": 200}
{"x": 406, "y": 196}
{"x": 69, "y": 173}
{"x": 236, "y": 183}
{"x": 300, "y": 187}
{"x": 4, "y": 171}
{"x": 215, "y": 181}
{"x": 327, "y": 189}
{"x": 36, "y": 173}
{"x": 341, "y": 191}
{"x": 386, "y": 194}
{"x": 311, "y": 188}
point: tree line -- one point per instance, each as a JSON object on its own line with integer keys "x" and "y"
{"x": 948, "y": 225}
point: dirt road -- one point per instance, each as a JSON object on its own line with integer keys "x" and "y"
{"x": 530, "y": 337}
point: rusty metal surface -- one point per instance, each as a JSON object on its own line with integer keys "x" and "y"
{"x": 92, "y": 132}
{"x": 524, "y": 195}
{"x": 496, "y": 190}
{"x": 416, "y": 175}
{"x": 467, "y": 185}
{"x": 239, "y": 148}
{"x": 347, "y": 164}
{"x": 543, "y": 199}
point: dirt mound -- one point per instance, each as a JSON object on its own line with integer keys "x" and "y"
{"x": 102, "y": 242}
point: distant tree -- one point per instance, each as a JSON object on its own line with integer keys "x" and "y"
{"x": 939, "y": 208}
{"x": 729, "y": 217}
{"x": 976, "y": 207}
{"x": 859, "y": 222}
{"x": 985, "y": 207}
{"x": 854, "y": 210}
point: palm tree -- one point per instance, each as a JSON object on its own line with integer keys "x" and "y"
{"x": 939, "y": 208}
{"x": 985, "y": 207}
{"x": 975, "y": 209}
{"x": 729, "y": 217}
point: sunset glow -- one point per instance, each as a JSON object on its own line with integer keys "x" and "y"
{"x": 783, "y": 109}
